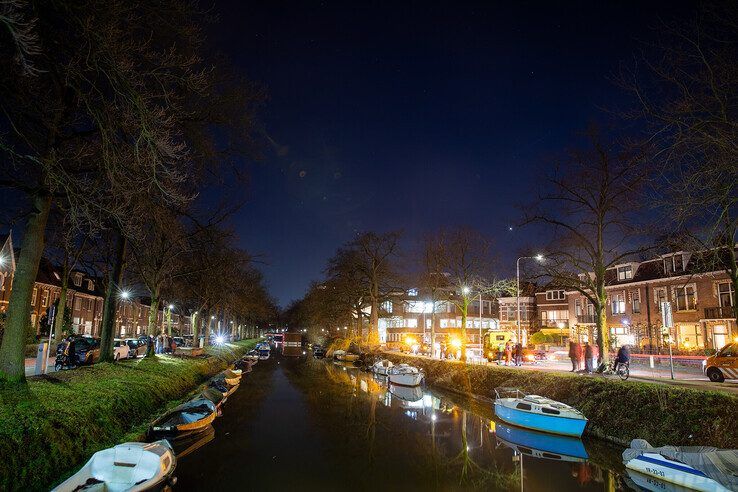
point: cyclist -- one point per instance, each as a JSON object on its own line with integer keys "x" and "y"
{"x": 623, "y": 357}
{"x": 70, "y": 352}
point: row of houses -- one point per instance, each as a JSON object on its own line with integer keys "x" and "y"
{"x": 85, "y": 297}
{"x": 701, "y": 300}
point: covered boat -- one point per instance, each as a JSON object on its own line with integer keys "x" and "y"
{"x": 381, "y": 367}
{"x": 132, "y": 466}
{"x": 194, "y": 415}
{"x": 212, "y": 394}
{"x": 405, "y": 375}
{"x": 252, "y": 355}
{"x": 232, "y": 377}
{"x": 702, "y": 468}
{"x": 541, "y": 445}
{"x": 538, "y": 413}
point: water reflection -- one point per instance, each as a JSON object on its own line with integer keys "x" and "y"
{"x": 313, "y": 424}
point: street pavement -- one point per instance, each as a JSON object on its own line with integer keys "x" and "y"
{"x": 685, "y": 377}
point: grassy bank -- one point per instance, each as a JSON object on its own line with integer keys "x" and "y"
{"x": 617, "y": 410}
{"x": 49, "y": 427}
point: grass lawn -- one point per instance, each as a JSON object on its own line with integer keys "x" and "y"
{"x": 50, "y": 426}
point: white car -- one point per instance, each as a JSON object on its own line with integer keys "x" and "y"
{"x": 120, "y": 349}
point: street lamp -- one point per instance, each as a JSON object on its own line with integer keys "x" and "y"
{"x": 125, "y": 294}
{"x": 539, "y": 257}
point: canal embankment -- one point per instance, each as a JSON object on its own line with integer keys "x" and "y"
{"x": 618, "y": 411}
{"x": 51, "y": 425}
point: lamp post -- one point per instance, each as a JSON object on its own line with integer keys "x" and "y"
{"x": 538, "y": 258}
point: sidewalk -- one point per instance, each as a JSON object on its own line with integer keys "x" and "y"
{"x": 31, "y": 366}
{"x": 683, "y": 376}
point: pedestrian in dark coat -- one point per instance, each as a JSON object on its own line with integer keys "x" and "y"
{"x": 573, "y": 356}
{"x": 519, "y": 354}
{"x": 579, "y": 352}
{"x": 588, "y": 353}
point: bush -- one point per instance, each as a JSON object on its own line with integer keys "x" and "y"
{"x": 60, "y": 420}
{"x": 617, "y": 410}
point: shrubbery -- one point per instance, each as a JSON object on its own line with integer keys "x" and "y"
{"x": 617, "y": 410}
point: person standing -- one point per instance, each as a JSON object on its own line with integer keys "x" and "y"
{"x": 500, "y": 353}
{"x": 508, "y": 353}
{"x": 579, "y": 352}
{"x": 158, "y": 344}
{"x": 573, "y": 356}
{"x": 595, "y": 356}
{"x": 519, "y": 354}
{"x": 588, "y": 354}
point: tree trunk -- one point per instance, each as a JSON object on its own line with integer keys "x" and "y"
{"x": 207, "y": 320}
{"x": 373, "y": 338}
{"x": 62, "y": 306}
{"x": 153, "y": 321}
{"x": 12, "y": 360}
{"x": 109, "y": 307}
{"x": 194, "y": 323}
{"x": 603, "y": 336}
{"x": 433, "y": 331}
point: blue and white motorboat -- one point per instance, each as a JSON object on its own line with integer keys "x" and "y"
{"x": 541, "y": 445}
{"x": 538, "y": 413}
{"x": 702, "y": 468}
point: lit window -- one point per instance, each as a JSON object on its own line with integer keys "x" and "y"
{"x": 726, "y": 294}
{"x": 412, "y": 292}
{"x": 44, "y": 298}
{"x": 77, "y": 279}
{"x": 674, "y": 264}
{"x": 625, "y": 272}
{"x": 555, "y": 295}
{"x": 618, "y": 304}
{"x": 411, "y": 323}
{"x": 636, "y": 298}
{"x": 387, "y": 306}
{"x": 685, "y": 298}
{"x": 578, "y": 307}
{"x": 33, "y": 297}
{"x": 660, "y": 296}
{"x": 415, "y": 306}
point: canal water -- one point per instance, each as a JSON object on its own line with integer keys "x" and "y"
{"x": 307, "y": 424}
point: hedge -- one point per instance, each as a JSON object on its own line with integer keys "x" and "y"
{"x": 54, "y": 423}
{"x": 617, "y": 410}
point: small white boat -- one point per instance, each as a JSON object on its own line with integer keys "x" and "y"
{"x": 132, "y": 466}
{"x": 405, "y": 375}
{"x": 344, "y": 356}
{"x": 702, "y": 468}
{"x": 381, "y": 367}
{"x": 538, "y": 413}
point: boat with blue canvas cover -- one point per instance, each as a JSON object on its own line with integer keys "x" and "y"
{"x": 538, "y": 413}
{"x": 541, "y": 445}
{"x": 702, "y": 468}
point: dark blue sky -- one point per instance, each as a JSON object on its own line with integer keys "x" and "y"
{"x": 413, "y": 117}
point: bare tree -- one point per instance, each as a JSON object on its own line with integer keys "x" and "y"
{"x": 686, "y": 90}
{"x": 591, "y": 205}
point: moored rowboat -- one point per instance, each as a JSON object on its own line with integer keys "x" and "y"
{"x": 405, "y": 375}
{"x": 190, "y": 416}
{"x": 132, "y": 466}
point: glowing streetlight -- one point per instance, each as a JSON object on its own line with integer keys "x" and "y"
{"x": 125, "y": 294}
{"x": 171, "y": 306}
{"x": 465, "y": 290}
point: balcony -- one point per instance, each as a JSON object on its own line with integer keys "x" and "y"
{"x": 721, "y": 312}
{"x": 587, "y": 318}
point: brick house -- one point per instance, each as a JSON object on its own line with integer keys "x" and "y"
{"x": 508, "y": 308}
{"x": 701, "y": 300}
{"x": 85, "y": 299}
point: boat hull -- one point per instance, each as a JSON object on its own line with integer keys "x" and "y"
{"x": 656, "y": 466}
{"x": 406, "y": 379}
{"x": 554, "y": 425}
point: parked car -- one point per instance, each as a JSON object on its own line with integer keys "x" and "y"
{"x": 121, "y": 350}
{"x": 136, "y": 347}
{"x": 87, "y": 349}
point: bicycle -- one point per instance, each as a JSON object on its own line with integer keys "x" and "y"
{"x": 622, "y": 370}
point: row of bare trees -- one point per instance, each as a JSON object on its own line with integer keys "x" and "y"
{"x": 449, "y": 266}
{"x": 115, "y": 120}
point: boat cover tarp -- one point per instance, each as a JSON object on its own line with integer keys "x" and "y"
{"x": 719, "y": 464}
{"x": 189, "y": 412}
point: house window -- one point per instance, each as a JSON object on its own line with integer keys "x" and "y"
{"x": 685, "y": 298}
{"x": 618, "y": 304}
{"x": 415, "y": 306}
{"x": 45, "y": 298}
{"x": 674, "y": 264}
{"x": 636, "y": 298}
{"x": 555, "y": 295}
{"x": 387, "y": 306}
{"x": 412, "y": 292}
{"x": 726, "y": 294}
{"x": 625, "y": 272}
{"x": 660, "y": 296}
{"x": 411, "y": 323}
{"x": 90, "y": 285}
{"x": 544, "y": 316}
{"x": 33, "y": 297}
{"x": 578, "y": 307}
{"x": 77, "y": 279}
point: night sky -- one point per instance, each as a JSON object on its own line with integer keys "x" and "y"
{"x": 387, "y": 117}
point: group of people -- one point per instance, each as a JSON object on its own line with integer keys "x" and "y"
{"x": 512, "y": 353}
{"x": 589, "y": 354}
{"x": 164, "y": 344}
